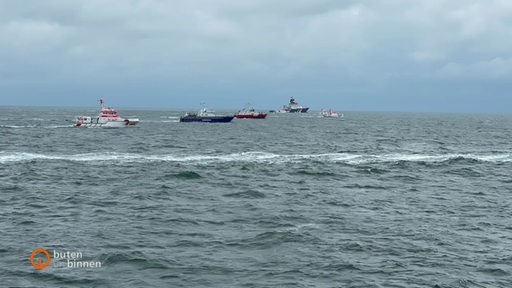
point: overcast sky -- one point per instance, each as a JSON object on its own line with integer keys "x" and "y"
{"x": 388, "y": 55}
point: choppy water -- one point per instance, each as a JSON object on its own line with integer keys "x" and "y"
{"x": 374, "y": 200}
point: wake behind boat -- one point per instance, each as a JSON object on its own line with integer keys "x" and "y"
{"x": 107, "y": 118}
{"x": 206, "y": 115}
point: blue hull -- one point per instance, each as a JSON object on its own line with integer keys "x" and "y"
{"x": 213, "y": 119}
{"x": 301, "y": 110}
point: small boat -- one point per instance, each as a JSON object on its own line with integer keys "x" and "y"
{"x": 250, "y": 113}
{"x": 206, "y": 115}
{"x": 107, "y": 118}
{"x": 330, "y": 113}
{"x": 293, "y": 107}
{"x": 283, "y": 109}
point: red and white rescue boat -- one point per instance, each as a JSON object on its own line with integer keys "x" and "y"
{"x": 330, "y": 113}
{"x": 107, "y": 118}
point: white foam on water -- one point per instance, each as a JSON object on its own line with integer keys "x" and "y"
{"x": 502, "y": 157}
{"x": 36, "y": 126}
{"x": 59, "y": 126}
{"x": 19, "y": 157}
{"x": 495, "y": 158}
{"x": 18, "y": 126}
{"x": 161, "y": 121}
{"x": 253, "y": 157}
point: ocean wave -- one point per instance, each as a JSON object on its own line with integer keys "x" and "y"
{"x": 162, "y": 121}
{"x": 18, "y": 126}
{"x": 256, "y": 157}
{"x": 183, "y": 175}
{"x": 35, "y": 126}
{"x": 246, "y": 194}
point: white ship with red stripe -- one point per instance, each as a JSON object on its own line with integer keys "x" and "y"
{"x": 107, "y": 118}
{"x": 250, "y": 113}
{"x": 331, "y": 113}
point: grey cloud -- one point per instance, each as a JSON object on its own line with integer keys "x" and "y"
{"x": 328, "y": 42}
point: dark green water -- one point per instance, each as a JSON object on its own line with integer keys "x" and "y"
{"x": 373, "y": 200}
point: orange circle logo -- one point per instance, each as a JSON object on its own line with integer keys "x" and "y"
{"x": 40, "y": 264}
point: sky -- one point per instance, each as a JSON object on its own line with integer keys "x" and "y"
{"x": 386, "y": 55}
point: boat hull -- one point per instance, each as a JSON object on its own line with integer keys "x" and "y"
{"x": 101, "y": 123}
{"x": 107, "y": 118}
{"x": 299, "y": 110}
{"x": 251, "y": 116}
{"x": 207, "y": 119}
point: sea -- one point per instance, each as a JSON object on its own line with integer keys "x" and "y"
{"x": 295, "y": 200}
